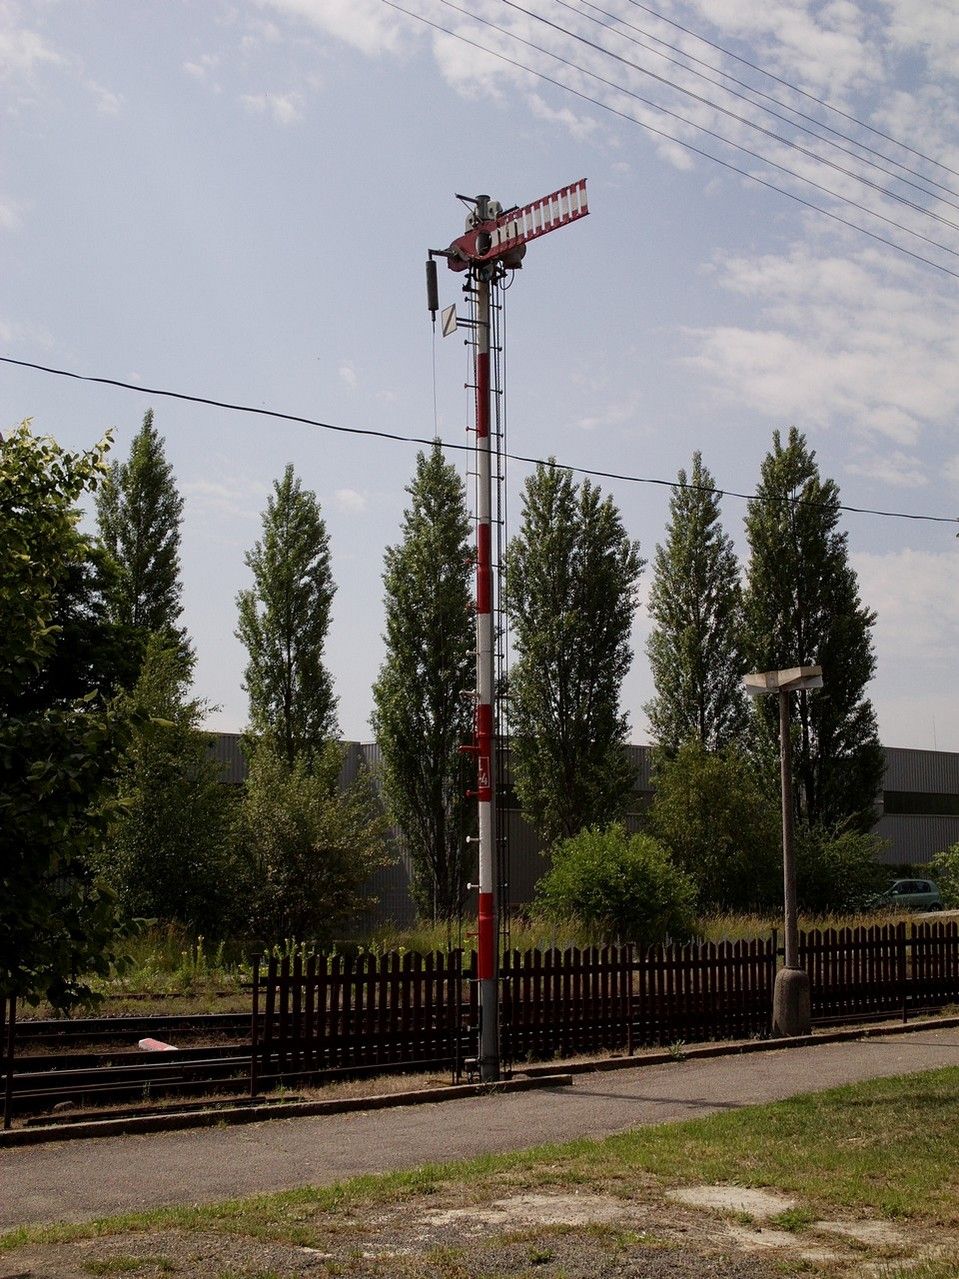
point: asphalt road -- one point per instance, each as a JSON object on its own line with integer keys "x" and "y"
{"x": 72, "y": 1181}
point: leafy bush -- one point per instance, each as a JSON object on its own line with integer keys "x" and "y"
{"x": 721, "y": 826}
{"x": 944, "y": 869}
{"x": 310, "y": 845}
{"x": 837, "y": 872}
{"x": 626, "y": 885}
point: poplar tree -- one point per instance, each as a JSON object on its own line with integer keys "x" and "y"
{"x": 283, "y": 622}
{"x": 802, "y": 606}
{"x": 695, "y": 601}
{"x": 420, "y": 717}
{"x": 139, "y": 512}
{"x": 572, "y": 573}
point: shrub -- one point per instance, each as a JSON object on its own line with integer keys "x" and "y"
{"x": 311, "y": 846}
{"x": 944, "y": 869}
{"x": 721, "y": 826}
{"x": 837, "y": 872}
{"x": 626, "y": 885}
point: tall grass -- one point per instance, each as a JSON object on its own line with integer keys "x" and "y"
{"x": 731, "y": 926}
{"x": 166, "y": 960}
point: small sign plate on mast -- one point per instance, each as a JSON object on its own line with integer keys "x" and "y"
{"x": 448, "y": 319}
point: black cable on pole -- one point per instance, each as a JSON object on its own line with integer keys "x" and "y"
{"x": 753, "y": 93}
{"x": 822, "y": 102}
{"x": 462, "y": 448}
{"x": 740, "y": 119}
{"x": 689, "y": 146}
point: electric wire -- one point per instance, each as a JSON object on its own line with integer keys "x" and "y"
{"x": 753, "y": 92}
{"x": 371, "y": 432}
{"x": 740, "y": 119}
{"x": 778, "y": 101}
{"x": 701, "y": 128}
{"x": 795, "y": 88}
{"x": 681, "y": 142}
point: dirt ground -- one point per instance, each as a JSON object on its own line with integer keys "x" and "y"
{"x": 616, "y": 1232}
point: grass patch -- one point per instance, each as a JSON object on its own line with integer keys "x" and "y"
{"x": 793, "y": 1219}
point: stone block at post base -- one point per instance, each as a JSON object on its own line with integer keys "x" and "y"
{"x": 792, "y": 1010}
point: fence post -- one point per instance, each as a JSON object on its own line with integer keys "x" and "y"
{"x": 630, "y": 1044}
{"x": 255, "y": 1027}
{"x": 773, "y": 967}
{"x": 903, "y": 975}
{"x": 11, "y": 1028}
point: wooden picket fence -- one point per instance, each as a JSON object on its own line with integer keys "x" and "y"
{"x": 863, "y": 972}
{"x": 325, "y": 1015}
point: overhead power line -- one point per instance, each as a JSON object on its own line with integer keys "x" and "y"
{"x": 740, "y": 119}
{"x": 795, "y": 88}
{"x": 371, "y": 432}
{"x": 753, "y": 92}
{"x": 689, "y": 146}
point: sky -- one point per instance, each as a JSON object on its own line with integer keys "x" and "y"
{"x": 235, "y": 201}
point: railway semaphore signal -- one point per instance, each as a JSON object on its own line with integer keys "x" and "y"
{"x": 493, "y": 244}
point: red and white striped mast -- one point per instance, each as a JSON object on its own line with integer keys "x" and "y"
{"x": 494, "y": 243}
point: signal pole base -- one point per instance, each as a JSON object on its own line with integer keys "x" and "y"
{"x": 792, "y": 1007}
{"x": 488, "y": 1062}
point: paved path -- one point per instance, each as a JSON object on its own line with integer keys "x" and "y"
{"x": 83, "y": 1179}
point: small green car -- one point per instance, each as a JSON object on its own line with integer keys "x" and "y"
{"x": 912, "y": 894}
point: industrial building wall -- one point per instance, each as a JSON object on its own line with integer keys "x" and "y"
{"x": 920, "y": 804}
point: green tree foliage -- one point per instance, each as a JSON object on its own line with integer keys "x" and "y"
{"x": 837, "y": 873}
{"x": 139, "y": 512}
{"x": 627, "y": 887}
{"x": 60, "y": 739}
{"x": 944, "y": 868}
{"x": 311, "y": 845}
{"x": 171, "y": 854}
{"x": 802, "y": 606}
{"x": 572, "y": 574}
{"x": 420, "y": 717}
{"x": 283, "y": 622}
{"x": 695, "y": 602}
{"x": 721, "y": 823}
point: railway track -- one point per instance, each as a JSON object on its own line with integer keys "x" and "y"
{"x": 126, "y": 1030}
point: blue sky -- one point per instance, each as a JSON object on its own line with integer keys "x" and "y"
{"x": 235, "y": 200}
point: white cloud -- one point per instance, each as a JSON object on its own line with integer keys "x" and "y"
{"x": 283, "y": 108}
{"x": 203, "y": 66}
{"x": 350, "y": 501}
{"x": 929, "y": 26}
{"x": 579, "y": 126}
{"x": 952, "y": 469}
{"x": 348, "y": 374}
{"x": 916, "y": 601}
{"x": 22, "y": 51}
{"x": 232, "y": 495}
{"x": 851, "y": 341}
{"x": 108, "y": 102}
{"x": 366, "y": 24}
{"x": 11, "y": 214}
{"x": 827, "y": 47}
{"x": 614, "y": 414}
{"x": 897, "y": 469}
